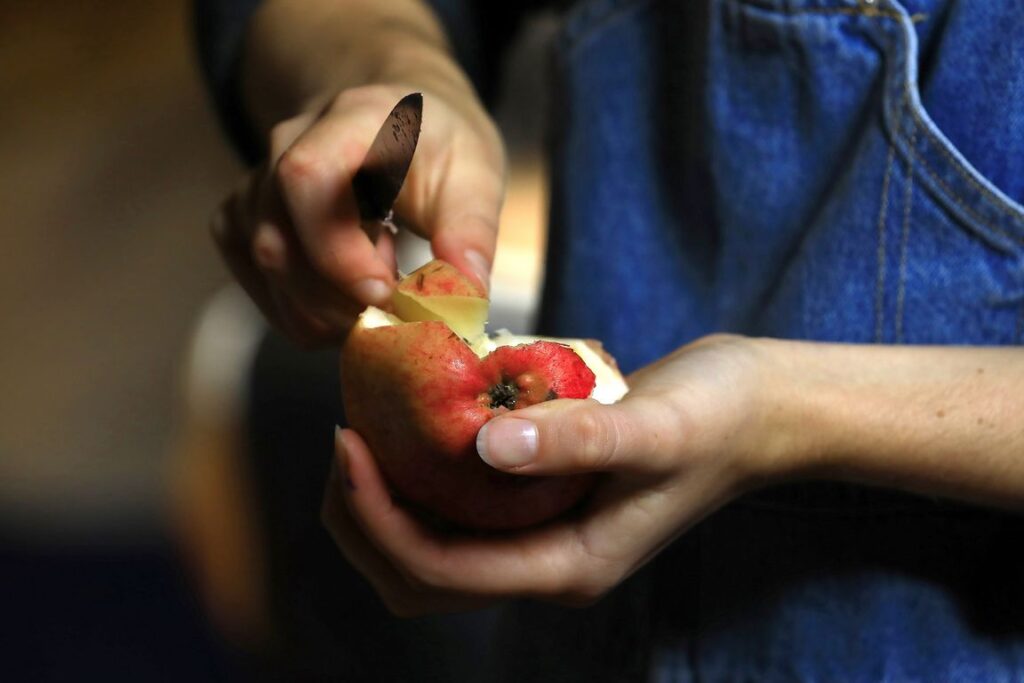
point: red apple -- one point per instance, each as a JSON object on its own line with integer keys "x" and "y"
{"x": 418, "y": 385}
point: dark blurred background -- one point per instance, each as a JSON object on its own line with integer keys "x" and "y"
{"x": 111, "y": 162}
{"x": 125, "y": 551}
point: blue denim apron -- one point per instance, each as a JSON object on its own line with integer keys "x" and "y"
{"x": 813, "y": 169}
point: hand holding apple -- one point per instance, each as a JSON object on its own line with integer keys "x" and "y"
{"x": 693, "y": 431}
{"x": 419, "y": 384}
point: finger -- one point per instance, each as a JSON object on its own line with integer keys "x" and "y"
{"x": 637, "y": 434}
{"x": 232, "y": 230}
{"x": 233, "y": 246}
{"x": 317, "y": 308}
{"x": 284, "y": 134}
{"x": 314, "y": 176}
{"x": 386, "y": 250}
{"x": 463, "y": 209}
{"x": 346, "y": 534}
{"x": 392, "y": 588}
{"x": 539, "y": 563}
{"x": 401, "y": 598}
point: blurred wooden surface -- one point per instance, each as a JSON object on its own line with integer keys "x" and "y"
{"x": 111, "y": 162}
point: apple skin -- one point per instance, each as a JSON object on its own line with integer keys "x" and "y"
{"x": 440, "y": 278}
{"x": 413, "y": 392}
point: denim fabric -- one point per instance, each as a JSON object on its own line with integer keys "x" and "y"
{"x": 809, "y": 169}
{"x": 780, "y": 175}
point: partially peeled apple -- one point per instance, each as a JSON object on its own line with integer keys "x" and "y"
{"x": 420, "y": 381}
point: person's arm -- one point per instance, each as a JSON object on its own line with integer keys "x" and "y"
{"x": 300, "y": 53}
{"x": 315, "y": 80}
{"x": 938, "y": 420}
{"x": 941, "y": 420}
{"x": 714, "y": 419}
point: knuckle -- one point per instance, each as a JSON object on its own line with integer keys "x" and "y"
{"x": 595, "y": 437}
{"x": 424, "y": 578}
{"x": 665, "y": 427}
{"x": 325, "y": 262}
{"x": 585, "y": 594}
{"x": 267, "y": 254}
{"x": 359, "y": 96}
{"x": 281, "y": 136}
{"x": 587, "y": 576}
{"x": 576, "y": 585}
{"x": 347, "y": 98}
{"x": 301, "y": 165}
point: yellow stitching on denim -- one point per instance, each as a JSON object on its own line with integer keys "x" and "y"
{"x": 964, "y": 207}
{"x": 957, "y": 165}
{"x": 870, "y": 12}
{"x": 914, "y": 18}
{"x": 908, "y": 199}
{"x": 880, "y": 279}
{"x": 883, "y": 213}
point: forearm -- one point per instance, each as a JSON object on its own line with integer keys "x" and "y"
{"x": 299, "y": 53}
{"x": 938, "y": 420}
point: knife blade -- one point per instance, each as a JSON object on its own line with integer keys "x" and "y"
{"x": 380, "y": 177}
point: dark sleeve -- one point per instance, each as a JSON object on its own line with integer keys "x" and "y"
{"x": 479, "y": 34}
{"x": 219, "y": 27}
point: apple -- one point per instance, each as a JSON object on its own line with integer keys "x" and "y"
{"x": 420, "y": 381}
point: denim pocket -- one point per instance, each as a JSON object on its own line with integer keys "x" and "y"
{"x": 767, "y": 167}
{"x": 906, "y": 241}
{"x": 956, "y": 241}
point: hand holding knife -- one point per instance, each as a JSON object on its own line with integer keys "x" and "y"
{"x": 311, "y": 273}
{"x": 378, "y": 181}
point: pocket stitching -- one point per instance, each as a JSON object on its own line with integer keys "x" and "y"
{"x": 952, "y": 196}
{"x": 908, "y": 201}
{"x": 883, "y": 213}
{"x": 956, "y": 164}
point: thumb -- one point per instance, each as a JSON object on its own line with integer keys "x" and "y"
{"x": 573, "y": 436}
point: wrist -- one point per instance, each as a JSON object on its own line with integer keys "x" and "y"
{"x": 296, "y": 59}
{"x": 788, "y": 435}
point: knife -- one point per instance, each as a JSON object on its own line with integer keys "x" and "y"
{"x": 380, "y": 177}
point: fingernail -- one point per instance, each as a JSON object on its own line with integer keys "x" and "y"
{"x": 342, "y": 460}
{"x": 481, "y": 268}
{"x": 268, "y": 248}
{"x": 507, "y": 442}
{"x": 372, "y": 292}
